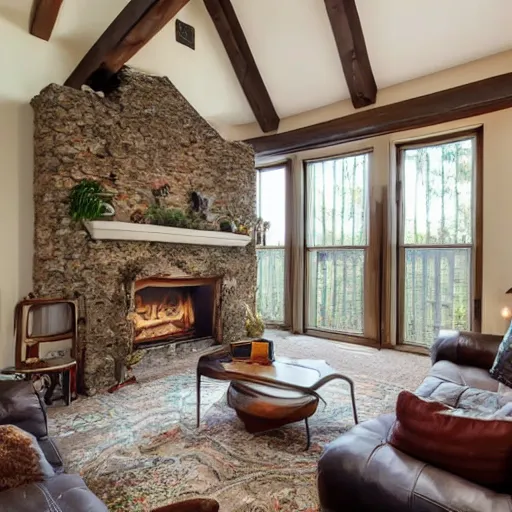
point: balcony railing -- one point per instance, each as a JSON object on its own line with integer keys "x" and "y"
{"x": 270, "y": 292}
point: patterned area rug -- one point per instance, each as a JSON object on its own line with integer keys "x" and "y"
{"x": 139, "y": 448}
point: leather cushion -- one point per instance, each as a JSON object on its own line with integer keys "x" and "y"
{"x": 63, "y": 493}
{"x": 477, "y": 449}
{"x": 466, "y": 348}
{"x": 20, "y": 405}
{"x": 464, "y": 375}
{"x": 502, "y": 368}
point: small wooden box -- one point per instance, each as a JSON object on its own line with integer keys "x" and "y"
{"x": 256, "y": 351}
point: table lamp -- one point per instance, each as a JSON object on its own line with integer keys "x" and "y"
{"x": 506, "y": 312}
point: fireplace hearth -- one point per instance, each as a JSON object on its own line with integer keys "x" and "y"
{"x": 168, "y": 310}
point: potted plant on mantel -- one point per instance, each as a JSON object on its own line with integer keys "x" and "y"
{"x": 89, "y": 200}
{"x": 91, "y": 203}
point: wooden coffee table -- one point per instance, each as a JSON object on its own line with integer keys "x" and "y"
{"x": 266, "y": 397}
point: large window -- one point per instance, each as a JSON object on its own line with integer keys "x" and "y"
{"x": 270, "y": 250}
{"x": 331, "y": 262}
{"x": 337, "y": 242}
{"x": 438, "y": 244}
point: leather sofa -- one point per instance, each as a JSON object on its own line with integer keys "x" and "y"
{"x": 361, "y": 472}
{"x": 20, "y": 405}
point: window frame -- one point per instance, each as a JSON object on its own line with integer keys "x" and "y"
{"x": 476, "y": 245}
{"x": 372, "y": 266}
{"x": 287, "y": 166}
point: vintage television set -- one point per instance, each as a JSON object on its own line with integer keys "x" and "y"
{"x": 45, "y": 333}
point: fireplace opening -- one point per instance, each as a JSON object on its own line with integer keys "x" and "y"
{"x": 167, "y": 310}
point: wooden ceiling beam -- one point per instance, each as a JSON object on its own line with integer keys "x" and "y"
{"x": 43, "y": 17}
{"x": 349, "y": 38}
{"x": 133, "y": 28}
{"x": 460, "y": 102}
{"x": 244, "y": 65}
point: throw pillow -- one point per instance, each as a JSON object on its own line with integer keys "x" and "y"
{"x": 502, "y": 368}
{"x": 478, "y": 449}
{"x": 21, "y": 459}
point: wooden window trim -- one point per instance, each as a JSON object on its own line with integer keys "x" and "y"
{"x": 356, "y": 152}
{"x": 342, "y": 337}
{"x": 477, "y": 245}
{"x": 288, "y": 278}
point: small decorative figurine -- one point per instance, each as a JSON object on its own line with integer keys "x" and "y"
{"x": 160, "y": 189}
{"x": 200, "y": 204}
{"x": 227, "y": 225}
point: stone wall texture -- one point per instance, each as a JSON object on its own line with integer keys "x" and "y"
{"x": 143, "y": 132}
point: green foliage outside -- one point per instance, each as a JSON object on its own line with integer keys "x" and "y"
{"x": 270, "y": 287}
{"x": 438, "y": 211}
{"x": 337, "y": 234}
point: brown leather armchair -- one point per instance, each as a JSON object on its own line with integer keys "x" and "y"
{"x": 361, "y": 472}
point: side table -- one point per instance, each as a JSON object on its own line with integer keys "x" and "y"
{"x": 64, "y": 366}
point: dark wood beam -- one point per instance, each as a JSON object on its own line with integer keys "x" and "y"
{"x": 349, "y": 38}
{"x": 467, "y": 100}
{"x": 244, "y": 65}
{"x": 43, "y": 17}
{"x": 134, "y": 27}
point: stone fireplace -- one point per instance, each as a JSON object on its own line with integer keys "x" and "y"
{"x": 167, "y": 310}
{"x": 134, "y": 294}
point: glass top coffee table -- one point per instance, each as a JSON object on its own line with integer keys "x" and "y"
{"x": 268, "y": 396}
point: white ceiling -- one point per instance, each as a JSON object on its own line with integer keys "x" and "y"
{"x": 294, "y": 48}
{"x": 408, "y": 39}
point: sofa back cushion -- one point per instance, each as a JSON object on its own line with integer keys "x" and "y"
{"x": 474, "y": 448}
{"x": 20, "y": 405}
{"x": 466, "y": 348}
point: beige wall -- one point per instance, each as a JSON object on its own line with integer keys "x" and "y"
{"x": 27, "y": 65}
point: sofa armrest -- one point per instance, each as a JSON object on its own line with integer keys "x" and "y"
{"x": 51, "y": 454}
{"x": 22, "y": 406}
{"x": 62, "y": 493}
{"x": 466, "y": 348}
{"x": 361, "y": 472}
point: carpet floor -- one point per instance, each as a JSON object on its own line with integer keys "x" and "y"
{"x": 138, "y": 448}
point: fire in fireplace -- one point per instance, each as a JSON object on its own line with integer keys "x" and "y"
{"x": 161, "y": 312}
{"x": 167, "y": 310}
